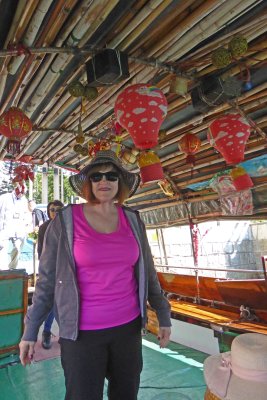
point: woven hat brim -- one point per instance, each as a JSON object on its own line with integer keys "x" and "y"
{"x": 131, "y": 179}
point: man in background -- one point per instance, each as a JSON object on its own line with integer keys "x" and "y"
{"x": 38, "y": 216}
{"x": 15, "y": 223}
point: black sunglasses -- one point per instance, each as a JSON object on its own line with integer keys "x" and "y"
{"x": 55, "y": 209}
{"x": 110, "y": 176}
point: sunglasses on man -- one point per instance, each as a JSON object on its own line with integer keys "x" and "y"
{"x": 110, "y": 176}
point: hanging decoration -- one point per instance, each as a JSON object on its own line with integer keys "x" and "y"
{"x": 179, "y": 85}
{"x": 25, "y": 159}
{"x": 221, "y": 57}
{"x": 228, "y": 135}
{"x": 90, "y": 93}
{"x": 195, "y": 234}
{"x": 76, "y": 89}
{"x": 15, "y": 125}
{"x": 23, "y": 173}
{"x": 241, "y": 178}
{"x": 150, "y": 167}
{"x": 166, "y": 187}
{"x": 118, "y": 128}
{"x": 130, "y": 156}
{"x": 141, "y": 109}
{"x": 93, "y": 147}
{"x": 80, "y": 138}
{"x": 238, "y": 46}
{"x": 189, "y": 144}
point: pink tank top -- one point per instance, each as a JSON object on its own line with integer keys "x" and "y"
{"x": 105, "y": 264}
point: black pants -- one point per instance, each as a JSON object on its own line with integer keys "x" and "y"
{"x": 114, "y": 353}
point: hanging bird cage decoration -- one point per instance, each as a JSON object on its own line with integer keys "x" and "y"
{"x": 15, "y": 125}
{"x": 189, "y": 144}
{"x": 141, "y": 109}
{"x": 150, "y": 167}
{"x": 228, "y": 135}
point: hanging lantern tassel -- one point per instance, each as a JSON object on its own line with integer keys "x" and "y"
{"x": 80, "y": 137}
{"x": 189, "y": 144}
{"x": 195, "y": 241}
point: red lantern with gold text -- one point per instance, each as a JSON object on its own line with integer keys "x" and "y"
{"x": 141, "y": 109}
{"x": 189, "y": 144}
{"x": 150, "y": 167}
{"x": 15, "y": 125}
{"x": 229, "y": 134}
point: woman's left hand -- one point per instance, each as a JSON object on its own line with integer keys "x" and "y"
{"x": 164, "y": 336}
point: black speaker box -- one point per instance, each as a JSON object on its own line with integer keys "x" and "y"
{"x": 107, "y": 67}
{"x": 213, "y": 91}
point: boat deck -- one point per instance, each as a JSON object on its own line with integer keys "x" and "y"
{"x": 168, "y": 374}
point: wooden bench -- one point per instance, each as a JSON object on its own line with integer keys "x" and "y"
{"x": 221, "y": 301}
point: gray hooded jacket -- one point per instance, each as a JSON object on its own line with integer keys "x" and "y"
{"x": 57, "y": 283}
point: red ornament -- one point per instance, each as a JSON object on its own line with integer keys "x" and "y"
{"x": 241, "y": 178}
{"x": 141, "y": 109}
{"x": 25, "y": 159}
{"x": 150, "y": 167}
{"x": 15, "y": 125}
{"x": 189, "y": 144}
{"x": 23, "y": 173}
{"x": 118, "y": 128}
{"x": 229, "y": 135}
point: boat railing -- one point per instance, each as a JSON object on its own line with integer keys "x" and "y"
{"x": 166, "y": 268}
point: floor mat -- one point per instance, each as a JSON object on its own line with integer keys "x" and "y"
{"x": 168, "y": 374}
{"x": 43, "y": 354}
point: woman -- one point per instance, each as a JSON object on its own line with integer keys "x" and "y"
{"x": 52, "y": 208}
{"x": 97, "y": 267}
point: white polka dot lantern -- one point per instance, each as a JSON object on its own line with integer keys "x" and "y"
{"x": 228, "y": 135}
{"x": 141, "y": 109}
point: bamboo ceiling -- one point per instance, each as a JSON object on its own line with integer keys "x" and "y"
{"x": 162, "y": 38}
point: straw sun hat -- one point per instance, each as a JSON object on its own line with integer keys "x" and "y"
{"x": 240, "y": 374}
{"x": 131, "y": 179}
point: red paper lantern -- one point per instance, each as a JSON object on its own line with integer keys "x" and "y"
{"x": 150, "y": 167}
{"x": 141, "y": 109}
{"x": 15, "y": 125}
{"x": 228, "y": 135}
{"x": 189, "y": 144}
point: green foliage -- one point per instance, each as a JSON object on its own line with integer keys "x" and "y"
{"x": 37, "y": 187}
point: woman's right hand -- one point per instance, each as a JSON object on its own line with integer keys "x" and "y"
{"x": 26, "y": 352}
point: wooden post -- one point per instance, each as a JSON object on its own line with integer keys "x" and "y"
{"x": 56, "y": 184}
{"x": 44, "y": 184}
